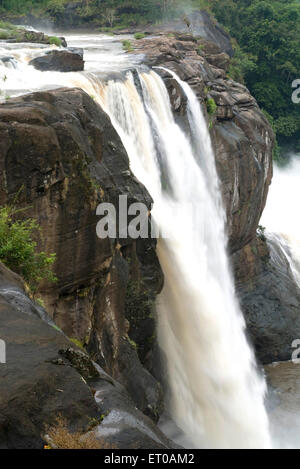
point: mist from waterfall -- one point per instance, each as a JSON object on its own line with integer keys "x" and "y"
{"x": 216, "y": 392}
{"x": 280, "y": 215}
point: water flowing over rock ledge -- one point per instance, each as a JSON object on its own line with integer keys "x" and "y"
{"x": 241, "y": 135}
{"x": 63, "y": 149}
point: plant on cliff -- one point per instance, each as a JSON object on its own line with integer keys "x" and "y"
{"x": 211, "y": 106}
{"x": 18, "y": 250}
{"x": 59, "y": 437}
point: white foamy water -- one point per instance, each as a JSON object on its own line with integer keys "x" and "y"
{"x": 216, "y": 393}
{"x": 280, "y": 215}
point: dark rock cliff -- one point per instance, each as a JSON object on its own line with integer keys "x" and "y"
{"x": 270, "y": 297}
{"x": 35, "y": 387}
{"x": 46, "y": 377}
{"x": 62, "y": 151}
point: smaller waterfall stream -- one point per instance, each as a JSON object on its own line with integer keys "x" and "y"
{"x": 279, "y": 217}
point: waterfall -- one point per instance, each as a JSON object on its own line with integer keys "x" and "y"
{"x": 216, "y": 392}
{"x": 217, "y": 395}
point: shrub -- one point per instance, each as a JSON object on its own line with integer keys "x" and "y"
{"x": 7, "y": 25}
{"x": 59, "y": 437}
{"x": 127, "y": 46}
{"x": 139, "y": 36}
{"x": 18, "y": 249}
{"x": 55, "y": 40}
{"x": 211, "y": 106}
{"x": 4, "y": 35}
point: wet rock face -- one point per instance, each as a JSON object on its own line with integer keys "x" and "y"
{"x": 68, "y": 60}
{"x": 241, "y": 135}
{"x": 123, "y": 426}
{"x": 64, "y": 153}
{"x": 270, "y": 298}
{"x": 199, "y": 24}
{"x": 46, "y": 376}
{"x": 36, "y": 386}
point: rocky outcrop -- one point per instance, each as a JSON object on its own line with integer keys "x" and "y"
{"x": 241, "y": 135}
{"x": 46, "y": 377}
{"x": 67, "y": 60}
{"x": 123, "y": 426}
{"x": 24, "y": 35}
{"x": 36, "y": 385}
{"x": 270, "y": 297}
{"x": 199, "y": 24}
{"x": 64, "y": 153}
{"x": 283, "y": 402}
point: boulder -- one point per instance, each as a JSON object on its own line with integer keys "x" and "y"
{"x": 270, "y": 298}
{"x": 36, "y": 386}
{"x": 63, "y": 150}
{"x": 28, "y": 36}
{"x": 123, "y": 426}
{"x": 67, "y": 60}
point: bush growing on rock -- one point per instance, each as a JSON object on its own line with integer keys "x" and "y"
{"x": 59, "y": 437}
{"x": 53, "y": 40}
{"x": 18, "y": 250}
{"x": 127, "y": 46}
{"x": 138, "y": 36}
{"x": 211, "y": 106}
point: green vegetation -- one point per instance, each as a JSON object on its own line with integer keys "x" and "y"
{"x": 4, "y": 35}
{"x": 8, "y": 26}
{"x": 18, "y": 250}
{"x": 139, "y": 36}
{"x": 77, "y": 343}
{"x": 55, "y": 40}
{"x": 211, "y": 106}
{"x": 267, "y": 56}
{"x": 139, "y": 303}
{"x": 127, "y": 46}
{"x": 105, "y": 13}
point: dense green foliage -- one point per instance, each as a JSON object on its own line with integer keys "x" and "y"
{"x": 18, "y": 250}
{"x": 268, "y": 55}
{"x": 109, "y": 13}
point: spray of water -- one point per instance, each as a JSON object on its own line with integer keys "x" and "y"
{"x": 279, "y": 217}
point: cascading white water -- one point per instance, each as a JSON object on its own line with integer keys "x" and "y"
{"x": 217, "y": 395}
